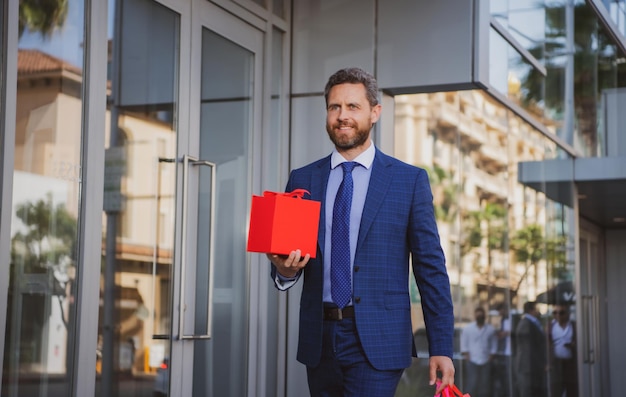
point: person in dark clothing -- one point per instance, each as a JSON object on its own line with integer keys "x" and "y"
{"x": 530, "y": 354}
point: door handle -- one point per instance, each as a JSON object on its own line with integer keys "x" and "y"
{"x": 187, "y": 162}
{"x": 589, "y": 338}
{"x": 155, "y": 249}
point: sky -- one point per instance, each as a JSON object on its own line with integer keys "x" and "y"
{"x": 66, "y": 42}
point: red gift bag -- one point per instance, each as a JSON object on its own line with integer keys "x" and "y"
{"x": 283, "y": 222}
{"x": 451, "y": 391}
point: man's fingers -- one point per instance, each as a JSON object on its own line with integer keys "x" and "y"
{"x": 294, "y": 260}
{"x": 444, "y": 365}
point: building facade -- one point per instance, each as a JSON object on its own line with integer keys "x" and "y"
{"x": 133, "y": 134}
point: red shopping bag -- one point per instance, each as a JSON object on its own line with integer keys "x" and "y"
{"x": 283, "y": 222}
{"x": 451, "y": 391}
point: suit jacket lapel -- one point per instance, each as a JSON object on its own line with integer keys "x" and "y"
{"x": 380, "y": 180}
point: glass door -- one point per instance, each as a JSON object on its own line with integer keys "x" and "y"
{"x": 147, "y": 117}
{"x": 183, "y": 110}
{"x": 210, "y": 354}
{"x": 592, "y": 340}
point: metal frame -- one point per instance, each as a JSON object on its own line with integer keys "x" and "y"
{"x": 609, "y": 25}
{"x": 250, "y": 36}
{"x": 509, "y": 38}
{"x": 8, "y": 90}
{"x": 524, "y": 115}
{"x": 91, "y": 198}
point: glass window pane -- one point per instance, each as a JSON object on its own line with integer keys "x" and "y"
{"x": 46, "y": 200}
{"x": 515, "y": 77}
{"x": 226, "y": 90}
{"x": 279, "y": 8}
{"x": 505, "y": 243}
{"x": 617, "y": 10}
{"x": 584, "y": 69}
{"x": 139, "y": 193}
{"x": 595, "y": 75}
{"x": 260, "y": 2}
{"x": 317, "y": 23}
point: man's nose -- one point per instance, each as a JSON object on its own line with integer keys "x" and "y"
{"x": 343, "y": 113}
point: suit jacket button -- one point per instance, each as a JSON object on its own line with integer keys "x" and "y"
{"x": 357, "y": 299}
{"x": 356, "y": 269}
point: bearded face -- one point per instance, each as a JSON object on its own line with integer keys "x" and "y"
{"x": 350, "y": 117}
{"x": 348, "y": 135}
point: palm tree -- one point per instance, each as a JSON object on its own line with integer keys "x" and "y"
{"x": 528, "y": 245}
{"x": 594, "y": 64}
{"x": 487, "y": 224}
{"x": 445, "y": 193}
{"x": 42, "y": 16}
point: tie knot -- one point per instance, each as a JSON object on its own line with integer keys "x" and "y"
{"x": 348, "y": 166}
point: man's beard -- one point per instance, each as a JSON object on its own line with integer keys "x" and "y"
{"x": 348, "y": 142}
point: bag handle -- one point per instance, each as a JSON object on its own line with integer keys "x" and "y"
{"x": 450, "y": 391}
{"x": 298, "y": 193}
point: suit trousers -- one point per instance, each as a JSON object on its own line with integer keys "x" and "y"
{"x": 344, "y": 370}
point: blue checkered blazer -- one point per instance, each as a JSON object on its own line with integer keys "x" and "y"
{"x": 397, "y": 220}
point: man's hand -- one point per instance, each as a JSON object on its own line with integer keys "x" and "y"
{"x": 289, "y": 266}
{"x": 444, "y": 365}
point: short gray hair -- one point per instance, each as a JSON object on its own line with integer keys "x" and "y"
{"x": 354, "y": 76}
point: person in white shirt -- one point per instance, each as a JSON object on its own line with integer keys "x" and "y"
{"x": 478, "y": 345}
{"x": 562, "y": 337}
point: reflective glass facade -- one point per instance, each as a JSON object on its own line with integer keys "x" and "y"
{"x": 505, "y": 243}
{"x": 192, "y": 106}
{"x": 581, "y": 66}
{"x": 43, "y": 268}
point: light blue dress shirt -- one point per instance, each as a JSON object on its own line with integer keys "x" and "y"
{"x": 361, "y": 179}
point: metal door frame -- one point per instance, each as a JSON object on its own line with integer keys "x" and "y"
{"x": 591, "y": 325}
{"x": 202, "y": 14}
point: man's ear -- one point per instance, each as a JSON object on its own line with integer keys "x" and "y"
{"x": 375, "y": 114}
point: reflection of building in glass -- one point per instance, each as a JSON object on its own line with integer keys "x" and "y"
{"x": 471, "y": 147}
{"x": 47, "y": 155}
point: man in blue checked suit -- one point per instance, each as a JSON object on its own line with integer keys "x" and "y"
{"x": 377, "y": 212}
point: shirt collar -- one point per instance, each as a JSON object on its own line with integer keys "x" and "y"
{"x": 365, "y": 159}
{"x": 533, "y": 320}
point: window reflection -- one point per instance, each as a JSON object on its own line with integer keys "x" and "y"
{"x": 46, "y": 184}
{"x": 139, "y": 211}
{"x": 617, "y": 10}
{"x": 583, "y": 68}
{"x": 506, "y": 244}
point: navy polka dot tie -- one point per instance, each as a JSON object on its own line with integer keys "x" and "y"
{"x": 340, "y": 274}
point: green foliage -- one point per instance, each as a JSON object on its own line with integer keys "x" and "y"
{"x": 487, "y": 223}
{"x": 42, "y": 16}
{"x": 594, "y": 66}
{"x": 486, "y": 226}
{"x": 528, "y": 244}
{"x": 49, "y": 237}
{"x": 445, "y": 192}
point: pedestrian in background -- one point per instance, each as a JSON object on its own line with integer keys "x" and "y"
{"x": 478, "y": 345}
